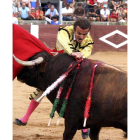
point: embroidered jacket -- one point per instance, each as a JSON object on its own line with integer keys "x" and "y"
{"x": 65, "y": 41}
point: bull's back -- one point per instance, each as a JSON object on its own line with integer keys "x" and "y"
{"x": 109, "y": 95}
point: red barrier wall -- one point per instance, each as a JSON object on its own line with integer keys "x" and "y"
{"x": 48, "y": 34}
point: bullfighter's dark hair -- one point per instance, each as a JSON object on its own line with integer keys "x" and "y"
{"x": 83, "y": 23}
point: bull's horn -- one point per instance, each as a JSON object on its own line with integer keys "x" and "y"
{"x": 29, "y": 63}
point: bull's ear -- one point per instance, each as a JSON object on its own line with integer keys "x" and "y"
{"x": 42, "y": 67}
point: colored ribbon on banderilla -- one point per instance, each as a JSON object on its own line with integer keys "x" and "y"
{"x": 58, "y": 81}
{"x": 57, "y": 100}
{"x": 65, "y": 101}
{"x": 88, "y": 102}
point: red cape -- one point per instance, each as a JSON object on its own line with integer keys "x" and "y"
{"x": 25, "y": 46}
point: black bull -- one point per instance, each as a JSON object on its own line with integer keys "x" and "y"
{"x": 109, "y": 95}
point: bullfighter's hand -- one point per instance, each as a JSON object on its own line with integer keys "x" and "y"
{"x": 77, "y": 55}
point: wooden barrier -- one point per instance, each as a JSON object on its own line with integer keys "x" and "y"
{"x": 48, "y": 34}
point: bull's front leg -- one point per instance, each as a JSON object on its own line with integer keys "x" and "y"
{"x": 69, "y": 132}
{"x": 71, "y": 122}
{"x": 94, "y": 133}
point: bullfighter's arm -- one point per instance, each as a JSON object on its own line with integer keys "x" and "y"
{"x": 87, "y": 51}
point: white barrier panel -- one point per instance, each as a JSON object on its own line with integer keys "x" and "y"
{"x": 34, "y": 30}
{"x": 60, "y": 10}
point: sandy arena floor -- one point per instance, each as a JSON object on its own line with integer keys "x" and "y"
{"x": 37, "y": 128}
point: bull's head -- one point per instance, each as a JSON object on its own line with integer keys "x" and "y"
{"x": 33, "y": 74}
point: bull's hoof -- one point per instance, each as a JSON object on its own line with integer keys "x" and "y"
{"x": 19, "y": 122}
{"x": 85, "y": 134}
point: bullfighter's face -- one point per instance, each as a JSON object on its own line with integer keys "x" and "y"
{"x": 80, "y": 34}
